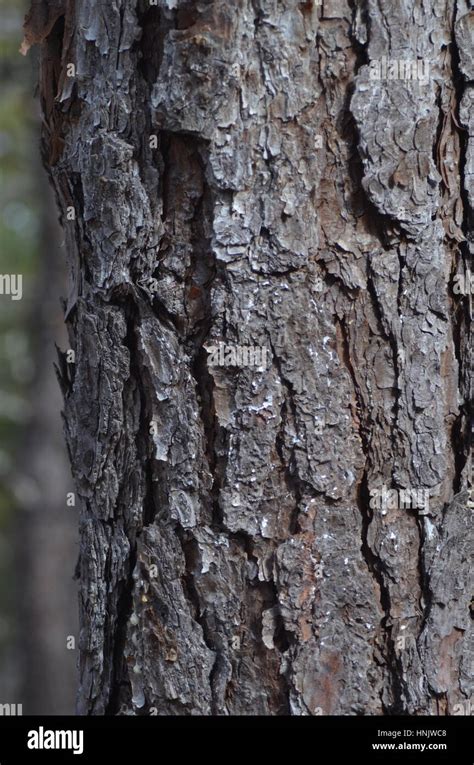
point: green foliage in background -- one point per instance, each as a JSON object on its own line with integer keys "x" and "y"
{"x": 19, "y": 252}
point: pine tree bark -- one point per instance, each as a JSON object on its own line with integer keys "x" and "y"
{"x": 238, "y": 175}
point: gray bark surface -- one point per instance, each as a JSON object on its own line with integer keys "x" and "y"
{"x": 231, "y": 562}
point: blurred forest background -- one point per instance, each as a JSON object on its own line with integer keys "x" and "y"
{"x": 38, "y": 547}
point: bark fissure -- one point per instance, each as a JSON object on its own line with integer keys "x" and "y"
{"x": 373, "y": 562}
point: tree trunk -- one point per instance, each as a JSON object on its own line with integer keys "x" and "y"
{"x": 267, "y": 413}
